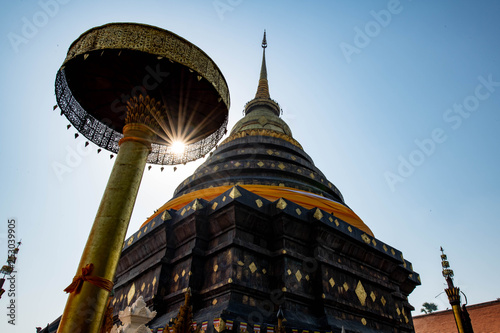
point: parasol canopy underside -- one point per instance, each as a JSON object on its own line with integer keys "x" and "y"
{"x": 108, "y": 65}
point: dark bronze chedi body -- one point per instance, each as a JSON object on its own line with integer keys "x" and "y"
{"x": 258, "y": 227}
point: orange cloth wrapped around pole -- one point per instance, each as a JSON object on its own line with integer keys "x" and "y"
{"x": 305, "y": 199}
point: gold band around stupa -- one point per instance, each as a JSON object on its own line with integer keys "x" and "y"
{"x": 305, "y": 199}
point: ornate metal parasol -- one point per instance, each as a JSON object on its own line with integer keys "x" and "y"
{"x": 108, "y": 65}
{"x": 135, "y": 90}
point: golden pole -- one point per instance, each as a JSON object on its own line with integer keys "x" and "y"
{"x": 84, "y": 310}
{"x": 454, "y": 298}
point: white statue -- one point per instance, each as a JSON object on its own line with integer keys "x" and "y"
{"x": 134, "y": 318}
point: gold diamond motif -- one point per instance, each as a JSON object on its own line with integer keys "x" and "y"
{"x": 293, "y": 157}
{"x": 259, "y": 203}
{"x": 398, "y": 311}
{"x": 373, "y": 296}
{"x": 197, "y": 205}
{"x": 154, "y": 222}
{"x": 139, "y": 234}
{"x": 289, "y": 272}
{"x": 183, "y": 212}
{"x": 311, "y": 175}
{"x": 393, "y": 253}
{"x": 260, "y": 164}
{"x": 363, "y": 321}
{"x": 349, "y": 228}
{"x": 269, "y": 151}
{"x": 346, "y": 286}
{"x": 130, "y": 240}
{"x": 154, "y": 281}
{"x": 298, "y": 211}
{"x": 374, "y": 243}
{"x": 281, "y": 166}
{"x": 366, "y": 238}
{"x": 385, "y": 248}
{"x": 230, "y": 280}
{"x": 131, "y": 293}
{"x": 383, "y": 301}
{"x": 317, "y": 214}
{"x": 176, "y": 277}
{"x": 216, "y": 267}
{"x": 330, "y": 219}
{"x": 361, "y": 293}
{"x": 281, "y": 204}
{"x": 183, "y": 272}
{"x": 224, "y": 199}
{"x": 143, "y": 286}
{"x": 240, "y": 263}
{"x": 252, "y": 267}
{"x": 337, "y": 222}
{"x": 298, "y": 275}
{"x": 235, "y": 193}
{"x": 323, "y": 295}
{"x": 307, "y": 277}
{"x": 332, "y": 282}
{"x": 237, "y": 164}
{"x": 216, "y": 168}
{"x": 145, "y": 229}
{"x": 214, "y": 301}
{"x": 214, "y": 205}
{"x": 283, "y": 289}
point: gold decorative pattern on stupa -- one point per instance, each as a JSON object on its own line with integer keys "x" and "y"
{"x": 234, "y": 193}
{"x": 131, "y": 293}
{"x": 317, "y": 214}
{"x": 361, "y": 293}
{"x": 281, "y": 204}
{"x": 298, "y": 275}
{"x": 366, "y": 238}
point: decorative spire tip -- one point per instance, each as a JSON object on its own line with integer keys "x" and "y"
{"x": 264, "y": 41}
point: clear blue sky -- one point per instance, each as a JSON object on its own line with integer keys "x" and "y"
{"x": 377, "y": 110}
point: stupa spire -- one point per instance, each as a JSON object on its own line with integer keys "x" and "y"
{"x": 262, "y": 96}
{"x": 263, "y": 88}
